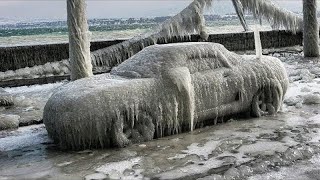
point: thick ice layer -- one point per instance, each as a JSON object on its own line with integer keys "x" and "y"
{"x": 58, "y": 68}
{"x": 79, "y": 41}
{"x": 173, "y": 91}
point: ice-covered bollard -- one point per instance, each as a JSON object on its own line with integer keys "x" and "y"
{"x": 163, "y": 90}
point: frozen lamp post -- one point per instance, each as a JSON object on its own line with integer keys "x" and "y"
{"x": 79, "y": 44}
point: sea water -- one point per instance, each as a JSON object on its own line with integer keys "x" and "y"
{"x": 34, "y": 32}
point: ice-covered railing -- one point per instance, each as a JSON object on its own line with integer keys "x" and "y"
{"x": 189, "y": 21}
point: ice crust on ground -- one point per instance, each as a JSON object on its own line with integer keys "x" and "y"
{"x": 163, "y": 90}
{"x": 27, "y": 105}
{"x": 23, "y": 137}
{"x": 115, "y": 170}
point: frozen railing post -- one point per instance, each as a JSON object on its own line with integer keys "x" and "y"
{"x": 257, "y": 42}
{"x": 79, "y": 44}
{"x": 310, "y": 29}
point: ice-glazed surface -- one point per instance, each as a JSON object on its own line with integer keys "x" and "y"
{"x": 27, "y": 104}
{"x": 164, "y": 90}
{"x": 292, "y": 135}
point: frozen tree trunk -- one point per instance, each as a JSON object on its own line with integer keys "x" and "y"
{"x": 79, "y": 44}
{"x": 239, "y": 9}
{"x": 310, "y": 29}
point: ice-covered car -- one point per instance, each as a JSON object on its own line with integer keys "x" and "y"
{"x": 163, "y": 90}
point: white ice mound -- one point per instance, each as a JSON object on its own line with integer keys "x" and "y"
{"x": 163, "y": 90}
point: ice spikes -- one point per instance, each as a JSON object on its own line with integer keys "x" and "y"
{"x": 278, "y": 17}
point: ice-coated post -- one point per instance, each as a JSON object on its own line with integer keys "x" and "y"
{"x": 257, "y": 42}
{"x": 79, "y": 44}
{"x": 310, "y": 29}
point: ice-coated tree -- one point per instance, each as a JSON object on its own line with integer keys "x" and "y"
{"x": 310, "y": 29}
{"x": 79, "y": 43}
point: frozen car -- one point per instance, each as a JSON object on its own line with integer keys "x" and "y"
{"x": 163, "y": 90}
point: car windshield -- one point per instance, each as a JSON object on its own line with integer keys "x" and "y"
{"x": 195, "y": 56}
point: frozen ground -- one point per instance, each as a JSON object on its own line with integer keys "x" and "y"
{"x": 284, "y": 146}
{"x": 29, "y": 103}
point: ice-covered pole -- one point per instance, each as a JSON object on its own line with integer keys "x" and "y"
{"x": 79, "y": 44}
{"x": 257, "y": 42}
{"x": 310, "y": 29}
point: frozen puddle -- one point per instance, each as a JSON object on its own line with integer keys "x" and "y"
{"x": 23, "y": 137}
{"x": 305, "y": 170}
{"x": 128, "y": 169}
{"x": 199, "y": 150}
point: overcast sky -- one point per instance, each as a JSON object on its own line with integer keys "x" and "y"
{"x": 56, "y": 9}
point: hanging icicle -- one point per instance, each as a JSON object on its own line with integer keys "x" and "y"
{"x": 277, "y": 17}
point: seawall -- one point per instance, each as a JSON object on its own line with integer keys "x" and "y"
{"x": 12, "y": 58}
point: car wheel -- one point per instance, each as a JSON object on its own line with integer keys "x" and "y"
{"x": 142, "y": 130}
{"x": 267, "y": 101}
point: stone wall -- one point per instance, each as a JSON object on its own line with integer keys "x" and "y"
{"x": 12, "y": 58}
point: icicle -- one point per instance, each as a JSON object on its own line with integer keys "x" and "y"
{"x": 257, "y": 42}
{"x": 278, "y": 17}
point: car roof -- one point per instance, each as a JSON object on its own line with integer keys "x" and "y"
{"x": 197, "y": 56}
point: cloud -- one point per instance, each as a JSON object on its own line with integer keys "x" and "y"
{"x": 56, "y": 9}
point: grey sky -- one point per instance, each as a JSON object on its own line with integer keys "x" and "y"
{"x": 56, "y": 9}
